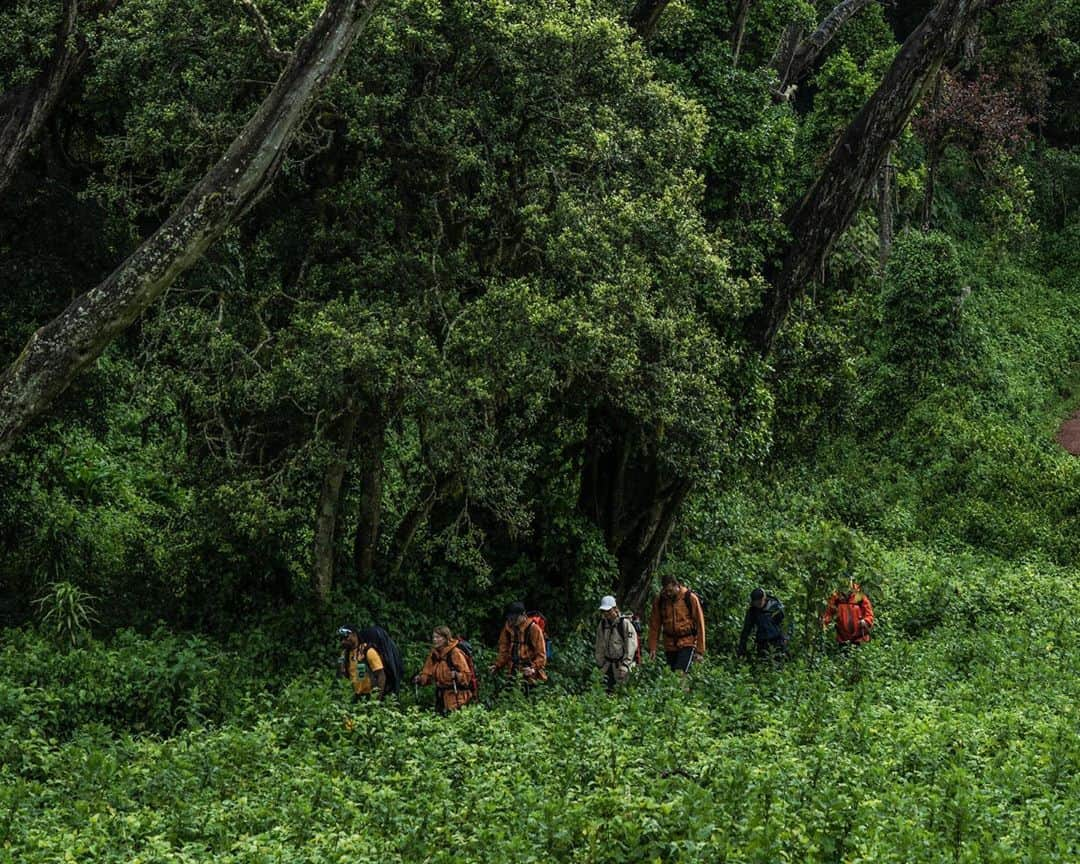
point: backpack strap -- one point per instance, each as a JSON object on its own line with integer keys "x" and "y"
{"x": 690, "y": 608}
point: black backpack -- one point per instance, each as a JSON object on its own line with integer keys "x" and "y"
{"x": 393, "y": 665}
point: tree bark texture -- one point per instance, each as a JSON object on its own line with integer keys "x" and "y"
{"x": 24, "y": 112}
{"x": 57, "y": 352}
{"x": 797, "y": 56}
{"x": 326, "y": 519}
{"x": 828, "y": 208}
{"x": 646, "y": 15}
{"x": 624, "y": 492}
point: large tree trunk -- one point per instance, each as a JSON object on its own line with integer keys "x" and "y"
{"x": 624, "y": 492}
{"x": 829, "y": 207}
{"x": 340, "y": 438}
{"x": 24, "y": 112}
{"x": 371, "y": 445}
{"x": 58, "y": 351}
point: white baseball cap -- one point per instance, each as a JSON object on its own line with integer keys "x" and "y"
{"x": 607, "y": 602}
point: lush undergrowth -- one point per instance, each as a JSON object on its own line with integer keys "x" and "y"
{"x": 954, "y": 744}
{"x": 950, "y": 738}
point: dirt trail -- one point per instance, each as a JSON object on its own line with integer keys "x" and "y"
{"x": 1068, "y": 435}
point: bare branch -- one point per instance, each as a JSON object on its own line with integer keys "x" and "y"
{"x": 266, "y": 37}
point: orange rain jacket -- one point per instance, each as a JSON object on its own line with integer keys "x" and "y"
{"x": 682, "y": 621}
{"x": 850, "y": 609}
{"x": 437, "y": 669}
{"x": 523, "y": 645}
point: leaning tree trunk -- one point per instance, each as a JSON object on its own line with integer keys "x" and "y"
{"x": 633, "y": 502}
{"x": 25, "y": 112}
{"x": 340, "y": 438}
{"x": 828, "y": 208}
{"x": 57, "y": 352}
{"x": 622, "y": 491}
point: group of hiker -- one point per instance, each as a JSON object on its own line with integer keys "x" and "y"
{"x": 373, "y": 664}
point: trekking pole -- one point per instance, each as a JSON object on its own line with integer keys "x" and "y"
{"x": 689, "y": 660}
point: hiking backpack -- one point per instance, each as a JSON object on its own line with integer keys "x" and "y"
{"x": 635, "y": 622}
{"x": 690, "y": 606}
{"x": 775, "y": 610}
{"x": 473, "y": 684}
{"x": 537, "y": 618}
{"x": 393, "y": 665}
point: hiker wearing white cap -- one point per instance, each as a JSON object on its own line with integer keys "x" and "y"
{"x": 616, "y": 643}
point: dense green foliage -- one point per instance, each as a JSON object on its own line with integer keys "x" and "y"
{"x": 513, "y": 241}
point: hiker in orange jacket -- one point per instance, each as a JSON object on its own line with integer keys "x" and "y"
{"x": 448, "y": 669}
{"x": 522, "y": 647}
{"x": 853, "y": 613}
{"x": 677, "y": 612}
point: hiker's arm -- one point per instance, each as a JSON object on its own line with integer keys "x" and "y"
{"x": 598, "y": 651}
{"x": 379, "y": 676}
{"x": 503, "y": 658}
{"x": 654, "y": 626}
{"x": 868, "y": 613}
{"x": 699, "y": 626}
{"x": 539, "y": 647}
{"x": 426, "y": 672}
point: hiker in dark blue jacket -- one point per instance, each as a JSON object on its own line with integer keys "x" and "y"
{"x": 764, "y": 615}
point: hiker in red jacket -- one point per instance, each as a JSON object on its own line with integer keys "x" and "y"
{"x": 853, "y": 613}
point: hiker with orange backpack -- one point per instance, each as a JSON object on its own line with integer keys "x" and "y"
{"x": 617, "y": 646}
{"x": 677, "y": 613}
{"x": 450, "y": 668}
{"x": 853, "y": 613}
{"x": 522, "y": 647}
